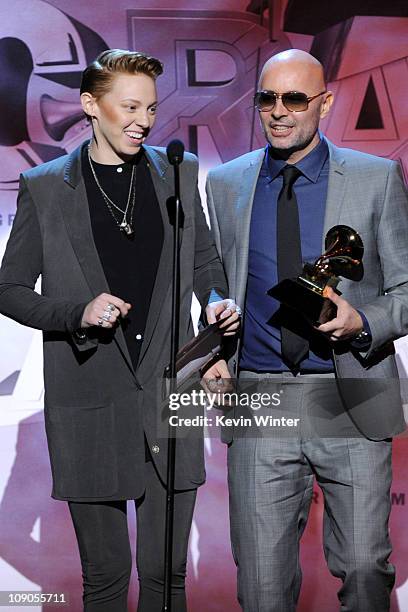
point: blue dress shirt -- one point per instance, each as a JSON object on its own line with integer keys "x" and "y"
{"x": 261, "y": 346}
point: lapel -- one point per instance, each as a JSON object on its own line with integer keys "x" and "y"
{"x": 163, "y": 185}
{"x": 75, "y": 210}
{"x": 335, "y": 190}
{"x": 243, "y": 212}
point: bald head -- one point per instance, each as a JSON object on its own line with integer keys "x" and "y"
{"x": 292, "y": 134}
{"x": 298, "y": 66}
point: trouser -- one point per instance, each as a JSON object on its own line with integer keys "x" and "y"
{"x": 271, "y": 485}
{"x": 102, "y": 534}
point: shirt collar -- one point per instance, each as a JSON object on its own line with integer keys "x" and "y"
{"x": 310, "y": 166}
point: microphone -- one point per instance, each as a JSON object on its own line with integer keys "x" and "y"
{"x": 175, "y": 152}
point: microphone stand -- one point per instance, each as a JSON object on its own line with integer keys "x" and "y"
{"x": 171, "y": 450}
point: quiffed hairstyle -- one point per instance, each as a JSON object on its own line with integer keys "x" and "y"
{"x": 98, "y": 76}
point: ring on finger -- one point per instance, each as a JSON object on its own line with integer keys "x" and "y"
{"x": 106, "y": 315}
{"x": 238, "y": 310}
{"x": 100, "y": 322}
{"x": 111, "y": 307}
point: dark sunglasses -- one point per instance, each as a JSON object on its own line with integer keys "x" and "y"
{"x": 295, "y": 101}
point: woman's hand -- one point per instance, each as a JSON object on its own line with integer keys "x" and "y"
{"x": 104, "y": 311}
{"x": 228, "y": 310}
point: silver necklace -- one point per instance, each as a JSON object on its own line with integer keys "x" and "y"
{"x": 125, "y": 225}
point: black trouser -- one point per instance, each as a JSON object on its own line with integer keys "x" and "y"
{"x": 103, "y": 540}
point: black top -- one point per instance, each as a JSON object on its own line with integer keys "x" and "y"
{"x": 130, "y": 263}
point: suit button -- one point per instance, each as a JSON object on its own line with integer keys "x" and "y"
{"x": 155, "y": 449}
{"x": 138, "y": 337}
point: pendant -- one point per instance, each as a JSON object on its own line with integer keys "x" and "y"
{"x": 125, "y": 227}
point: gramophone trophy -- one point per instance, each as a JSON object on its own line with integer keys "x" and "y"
{"x": 306, "y": 293}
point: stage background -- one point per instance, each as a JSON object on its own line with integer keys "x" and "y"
{"x": 212, "y": 51}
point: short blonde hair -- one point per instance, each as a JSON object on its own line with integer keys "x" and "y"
{"x": 97, "y": 77}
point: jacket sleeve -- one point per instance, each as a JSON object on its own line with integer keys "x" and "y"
{"x": 22, "y": 265}
{"x": 209, "y": 278}
{"x": 212, "y": 213}
{"x": 230, "y": 344}
{"x": 387, "y": 314}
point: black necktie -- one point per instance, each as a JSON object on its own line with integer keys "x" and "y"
{"x": 289, "y": 259}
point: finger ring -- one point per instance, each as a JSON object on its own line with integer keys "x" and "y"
{"x": 214, "y": 383}
{"x": 111, "y": 307}
{"x": 106, "y": 315}
{"x": 100, "y": 322}
{"x": 238, "y": 310}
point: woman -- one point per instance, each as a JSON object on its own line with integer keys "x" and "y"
{"x": 94, "y": 225}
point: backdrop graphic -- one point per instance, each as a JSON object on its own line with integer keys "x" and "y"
{"x": 212, "y": 51}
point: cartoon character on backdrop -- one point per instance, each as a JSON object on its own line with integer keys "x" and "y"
{"x": 40, "y": 115}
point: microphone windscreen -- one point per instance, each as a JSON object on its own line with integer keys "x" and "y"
{"x": 175, "y": 152}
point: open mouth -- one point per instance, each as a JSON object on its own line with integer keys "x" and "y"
{"x": 279, "y": 129}
{"x": 135, "y": 137}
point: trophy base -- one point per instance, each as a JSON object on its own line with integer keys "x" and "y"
{"x": 304, "y": 299}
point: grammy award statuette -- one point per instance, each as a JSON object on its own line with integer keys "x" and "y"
{"x": 306, "y": 293}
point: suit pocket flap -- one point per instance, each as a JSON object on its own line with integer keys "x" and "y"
{"x": 81, "y": 441}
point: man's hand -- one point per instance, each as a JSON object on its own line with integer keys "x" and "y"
{"x": 217, "y": 379}
{"x": 224, "y": 309}
{"x": 347, "y": 324}
{"x": 218, "y": 371}
{"x": 104, "y": 311}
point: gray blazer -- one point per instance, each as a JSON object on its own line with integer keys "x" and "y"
{"x": 97, "y": 408}
{"x": 368, "y": 194}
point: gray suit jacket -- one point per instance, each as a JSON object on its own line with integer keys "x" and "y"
{"x": 368, "y": 194}
{"x": 97, "y": 408}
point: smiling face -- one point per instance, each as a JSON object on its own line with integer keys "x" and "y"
{"x": 293, "y": 135}
{"x": 122, "y": 117}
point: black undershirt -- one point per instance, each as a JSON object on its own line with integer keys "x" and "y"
{"x": 130, "y": 263}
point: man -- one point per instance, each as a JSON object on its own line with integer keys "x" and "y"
{"x": 270, "y": 211}
{"x": 94, "y": 224}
